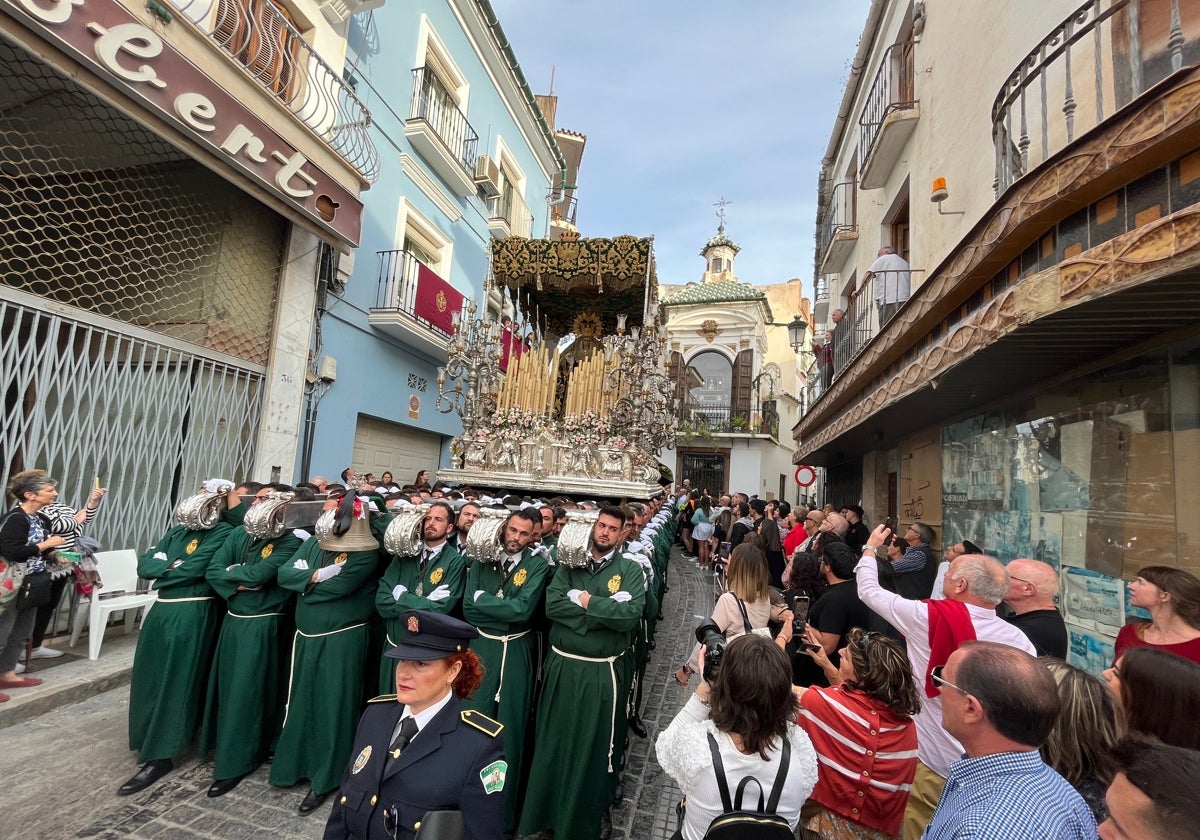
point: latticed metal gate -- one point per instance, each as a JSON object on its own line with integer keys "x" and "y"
{"x": 137, "y": 294}
{"x": 150, "y": 420}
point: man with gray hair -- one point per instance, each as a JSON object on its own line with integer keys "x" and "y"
{"x": 890, "y": 273}
{"x": 917, "y": 569}
{"x": 934, "y": 629}
{"x": 836, "y": 523}
{"x": 1031, "y": 590}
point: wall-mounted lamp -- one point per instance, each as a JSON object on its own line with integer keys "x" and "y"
{"x": 940, "y": 194}
{"x": 797, "y": 330}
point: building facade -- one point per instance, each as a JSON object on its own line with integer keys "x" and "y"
{"x": 177, "y": 178}
{"x": 1029, "y": 380}
{"x": 738, "y": 380}
{"x": 469, "y": 157}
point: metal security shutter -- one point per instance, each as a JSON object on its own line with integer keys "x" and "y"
{"x": 403, "y": 450}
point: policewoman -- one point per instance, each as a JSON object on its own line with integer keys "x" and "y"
{"x": 418, "y": 750}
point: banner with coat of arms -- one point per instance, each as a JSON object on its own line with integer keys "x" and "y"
{"x": 437, "y": 300}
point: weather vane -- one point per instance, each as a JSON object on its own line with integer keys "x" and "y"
{"x": 722, "y": 204}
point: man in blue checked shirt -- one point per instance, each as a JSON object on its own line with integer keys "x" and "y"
{"x": 1001, "y": 703}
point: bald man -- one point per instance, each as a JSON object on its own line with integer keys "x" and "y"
{"x": 1031, "y": 590}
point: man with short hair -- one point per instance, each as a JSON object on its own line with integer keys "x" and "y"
{"x": 468, "y": 515}
{"x": 742, "y": 525}
{"x": 856, "y": 531}
{"x": 956, "y": 550}
{"x": 593, "y": 611}
{"x": 503, "y": 600}
{"x": 891, "y": 275}
{"x": 433, "y": 580}
{"x": 1153, "y": 796}
{"x": 1031, "y": 592}
{"x": 812, "y": 524}
{"x": 839, "y": 609}
{"x": 836, "y": 523}
{"x": 933, "y": 630}
{"x": 1001, "y": 703}
{"x": 917, "y": 569}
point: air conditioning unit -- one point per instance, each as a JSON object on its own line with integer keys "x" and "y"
{"x": 487, "y": 176}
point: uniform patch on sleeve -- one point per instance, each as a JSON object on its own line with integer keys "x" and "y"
{"x": 492, "y": 777}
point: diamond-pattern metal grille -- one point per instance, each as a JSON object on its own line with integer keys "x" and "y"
{"x": 100, "y": 213}
{"x": 152, "y": 421}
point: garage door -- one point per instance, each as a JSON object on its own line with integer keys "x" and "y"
{"x": 405, "y": 451}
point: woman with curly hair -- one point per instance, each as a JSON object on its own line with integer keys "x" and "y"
{"x": 417, "y": 750}
{"x": 863, "y": 732}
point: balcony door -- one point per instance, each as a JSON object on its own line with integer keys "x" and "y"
{"x": 263, "y": 37}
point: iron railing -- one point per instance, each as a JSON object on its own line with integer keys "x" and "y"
{"x": 433, "y": 103}
{"x": 564, "y": 211}
{"x": 839, "y": 216}
{"x": 265, "y": 42}
{"x": 703, "y": 418}
{"x": 821, "y": 289}
{"x": 1095, "y": 62}
{"x": 893, "y": 90}
{"x": 511, "y": 209}
{"x": 397, "y": 289}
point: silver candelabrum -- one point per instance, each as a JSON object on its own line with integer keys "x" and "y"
{"x": 472, "y": 368}
{"x": 646, "y": 410}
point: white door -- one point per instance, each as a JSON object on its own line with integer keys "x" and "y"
{"x": 404, "y": 451}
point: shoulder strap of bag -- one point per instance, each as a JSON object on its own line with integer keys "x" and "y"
{"x": 719, "y": 767}
{"x": 727, "y": 804}
{"x": 745, "y": 615}
{"x": 785, "y": 758}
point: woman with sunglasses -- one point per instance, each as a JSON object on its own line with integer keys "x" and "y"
{"x": 861, "y": 727}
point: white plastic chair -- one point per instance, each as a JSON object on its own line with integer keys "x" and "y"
{"x": 118, "y": 571}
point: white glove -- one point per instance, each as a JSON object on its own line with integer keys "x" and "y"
{"x": 300, "y": 563}
{"x": 160, "y": 555}
{"x": 573, "y": 596}
{"x": 440, "y": 594}
{"x": 622, "y": 597}
{"x": 301, "y": 534}
{"x": 218, "y": 485}
{"x": 398, "y": 590}
{"x": 327, "y": 572}
{"x": 478, "y": 592}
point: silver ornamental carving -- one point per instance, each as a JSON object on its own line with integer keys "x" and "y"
{"x": 202, "y": 511}
{"x": 404, "y": 536}
{"x": 264, "y": 520}
{"x": 574, "y": 543}
{"x": 484, "y": 538}
{"x": 324, "y": 525}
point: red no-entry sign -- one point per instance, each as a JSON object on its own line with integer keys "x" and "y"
{"x": 805, "y": 475}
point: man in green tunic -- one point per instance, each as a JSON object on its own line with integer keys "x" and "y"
{"x": 334, "y": 575}
{"x": 593, "y": 611}
{"x": 502, "y": 600}
{"x": 170, "y": 665}
{"x": 248, "y": 681}
{"x": 432, "y": 580}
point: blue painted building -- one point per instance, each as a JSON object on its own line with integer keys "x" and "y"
{"x": 467, "y": 156}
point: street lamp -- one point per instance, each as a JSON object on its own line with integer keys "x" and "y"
{"x": 797, "y": 330}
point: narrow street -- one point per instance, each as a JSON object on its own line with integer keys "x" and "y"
{"x": 62, "y": 769}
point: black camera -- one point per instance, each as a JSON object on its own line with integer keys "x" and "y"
{"x": 710, "y": 635}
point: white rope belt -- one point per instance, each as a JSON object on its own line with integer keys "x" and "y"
{"x": 331, "y": 632}
{"x": 260, "y": 615}
{"x": 292, "y": 670}
{"x": 612, "y": 672}
{"x": 503, "y": 640}
{"x": 185, "y": 600}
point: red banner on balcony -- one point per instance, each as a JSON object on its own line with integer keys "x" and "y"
{"x": 437, "y": 300}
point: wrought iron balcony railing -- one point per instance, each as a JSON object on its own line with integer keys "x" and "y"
{"x": 871, "y": 307}
{"x": 1106, "y": 54}
{"x": 564, "y": 211}
{"x": 708, "y": 419}
{"x": 432, "y": 103}
{"x": 839, "y": 215}
{"x": 892, "y": 90}
{"x": 261, "y": 37}
{"x": 397, "y": 290}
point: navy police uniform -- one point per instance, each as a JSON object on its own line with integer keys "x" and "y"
{"x": 455, "y": 762}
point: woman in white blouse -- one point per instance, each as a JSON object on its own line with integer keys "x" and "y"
{"x": 750, "y": 712}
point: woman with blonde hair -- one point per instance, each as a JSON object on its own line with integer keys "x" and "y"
{"x": 1089, "y": 725}
{"x": 744, "y": 607}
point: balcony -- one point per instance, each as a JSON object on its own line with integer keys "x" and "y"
{"x": 264, "y": 40}
{"x": 839, "y": 227}
{"x": 440, "y": 133}
{"x": 394, "y": 311}
{"x": 711, "y": 420}
{"x": 889, "y": 117}
{"x": 1102, "y": 57}
{"x": 870, "y": 308}
{"x": 510, "y": 216}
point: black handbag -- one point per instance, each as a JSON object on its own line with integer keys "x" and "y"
{"x": 35, "y": 591}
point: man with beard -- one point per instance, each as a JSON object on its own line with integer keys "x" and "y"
{"x": 502, "y": 600}
{"x": 431, "y": 580}
{"x": 468, "y": 514}
{"x": 593, "y": 610}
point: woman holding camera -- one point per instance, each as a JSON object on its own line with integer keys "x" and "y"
{"x": 747, "y": 715}
{"x": 745, "y": 607}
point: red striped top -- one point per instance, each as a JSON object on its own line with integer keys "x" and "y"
{"x": 866, "y": 755}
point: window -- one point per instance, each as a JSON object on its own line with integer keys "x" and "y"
{"x": 709, "y": 379}
{"x": 264, "y": 38}
{"x": 417, "y": 235}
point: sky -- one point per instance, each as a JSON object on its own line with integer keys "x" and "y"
{"x": 684, "y": 103}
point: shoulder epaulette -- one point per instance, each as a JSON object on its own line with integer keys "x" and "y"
{"x": 383, "y": 698}
{"x": 482, "y": 722}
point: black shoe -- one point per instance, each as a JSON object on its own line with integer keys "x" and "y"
{"x": 270, "y": 757}
{"x": 659, "y": 617}
{"x": 618, "y": 795}
{"x": 150, "y": 773}
{"x": 312, "y": 801}
{"x": 653, "y": 646}
{"x": 637, "y": 727}
{"x": 222, "y": 786}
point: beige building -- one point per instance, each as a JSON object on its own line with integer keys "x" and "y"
{"x": 738, "y": 381}
{"x": 1028, "y": 377}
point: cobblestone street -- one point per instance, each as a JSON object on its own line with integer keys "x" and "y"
{"x": 62, "y": 768}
